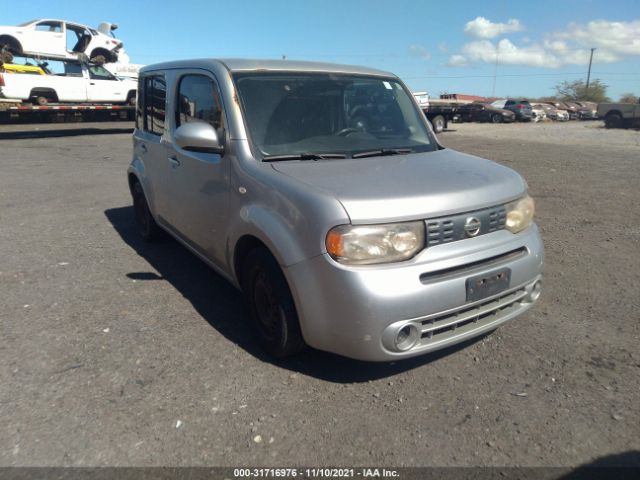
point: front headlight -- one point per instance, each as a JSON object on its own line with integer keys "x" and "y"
{"x": 519, "y": 214}
{"x": 367, "y": 244}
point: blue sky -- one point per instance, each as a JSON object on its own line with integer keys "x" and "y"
{"x": 439, "y": 47}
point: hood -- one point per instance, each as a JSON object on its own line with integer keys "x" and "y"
{"x": 409, "y": 187}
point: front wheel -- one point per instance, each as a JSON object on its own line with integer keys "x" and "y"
{"x": 272, "y": 311}
{"x": 438, "y": 123}
{"x": 496, "y": 118}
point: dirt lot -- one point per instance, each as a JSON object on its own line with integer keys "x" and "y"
{"x": 113, "y": 352}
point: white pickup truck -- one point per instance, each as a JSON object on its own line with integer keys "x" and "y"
{"x": 76, "y": 82}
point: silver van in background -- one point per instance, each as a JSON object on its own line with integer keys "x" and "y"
{"x": 322, "y": 193}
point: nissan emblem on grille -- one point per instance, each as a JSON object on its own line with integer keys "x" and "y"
{"x": 472, "y": 227}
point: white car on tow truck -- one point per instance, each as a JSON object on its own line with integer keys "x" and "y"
{"x": 60, "y": 39}
{"x": 72, "y": 82}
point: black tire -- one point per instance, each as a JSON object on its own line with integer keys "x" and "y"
{"x": 147, "y": 227}
{"x": 131, "y": 99}
{"x": 496, "y": 118}
{"x": 271, "y": 309}
{"x": 8, "y": 48}
{"x": 613, "y": 120}
{"x": 6, "y": 56}
{"x": 41, "y": 100}
{"x": 438, "y": 123}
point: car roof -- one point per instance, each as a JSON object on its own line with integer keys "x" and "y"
{"x": 50, "y": 20}
{"x": 55, "y": 20}
{"x": 251, "y": 65}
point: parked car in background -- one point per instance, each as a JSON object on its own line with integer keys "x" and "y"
{"x": 522, "y": 108}
{"x": 620, "y": 115}
{"x": 588, "y": 111}
{"x": 554, "y": 112}
{"x": 550, "y": 111}
{"x": 321, "y": 192}
{"x": 59, "y": 39}
{"x": 539, "y": 113}
{"x": 572, "y": 108}
{"x": 481, "y": 112}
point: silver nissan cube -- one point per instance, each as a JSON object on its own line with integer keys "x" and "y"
{"x": 321, "y": 192}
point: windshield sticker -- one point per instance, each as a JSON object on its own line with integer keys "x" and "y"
{"x": 387, "y": 85}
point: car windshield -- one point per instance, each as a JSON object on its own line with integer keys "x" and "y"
{"x": 27, "y": 23}
{"x": 321, "y": 115}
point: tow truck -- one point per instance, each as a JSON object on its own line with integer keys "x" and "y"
{"x": 438, "y": 112}
{"x": 68, "y": 91}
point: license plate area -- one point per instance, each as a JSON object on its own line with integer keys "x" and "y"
{"x": 488, "y": 284}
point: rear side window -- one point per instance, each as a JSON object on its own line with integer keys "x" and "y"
{"x": 151, "y": 104}
{"x": 199, "y": 101}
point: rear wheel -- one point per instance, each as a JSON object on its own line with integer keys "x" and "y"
{"x": 8, "y": 48}
{"x": 272, "y": 311}
{"x": 131, "y": 98}
{"x": 147, "y": 226}
{"x": 42, "y": 101}
{"x": 613, "y": 120}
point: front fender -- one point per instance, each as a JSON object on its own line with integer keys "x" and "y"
{"x": 270, "y": 228}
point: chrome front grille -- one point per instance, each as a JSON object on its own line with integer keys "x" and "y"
{"x": 451, "y": 229}
{"x": 469, "y": 317}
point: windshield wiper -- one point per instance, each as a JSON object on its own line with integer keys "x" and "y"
{"x": 303, "y": 156}
{"x": 382, "y": 152}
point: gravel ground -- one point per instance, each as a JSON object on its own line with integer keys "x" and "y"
{"x": 113, "y": 352}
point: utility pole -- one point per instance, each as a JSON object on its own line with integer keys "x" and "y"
{"x": 589, "y": 72}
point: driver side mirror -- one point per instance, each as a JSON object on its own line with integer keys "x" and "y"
{"x": 198, "y": 137}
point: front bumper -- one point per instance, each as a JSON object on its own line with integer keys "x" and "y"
{"x": 358, "y": 311}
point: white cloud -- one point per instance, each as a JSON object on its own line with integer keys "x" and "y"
{"x": 622, "y": 38}
{"x": 481, "y": 27}
{"x": 508, "y": 54}
{"x": 613, "y": 42}
{"x": 420, "y": 51}
{"x": 457, "y": 61}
